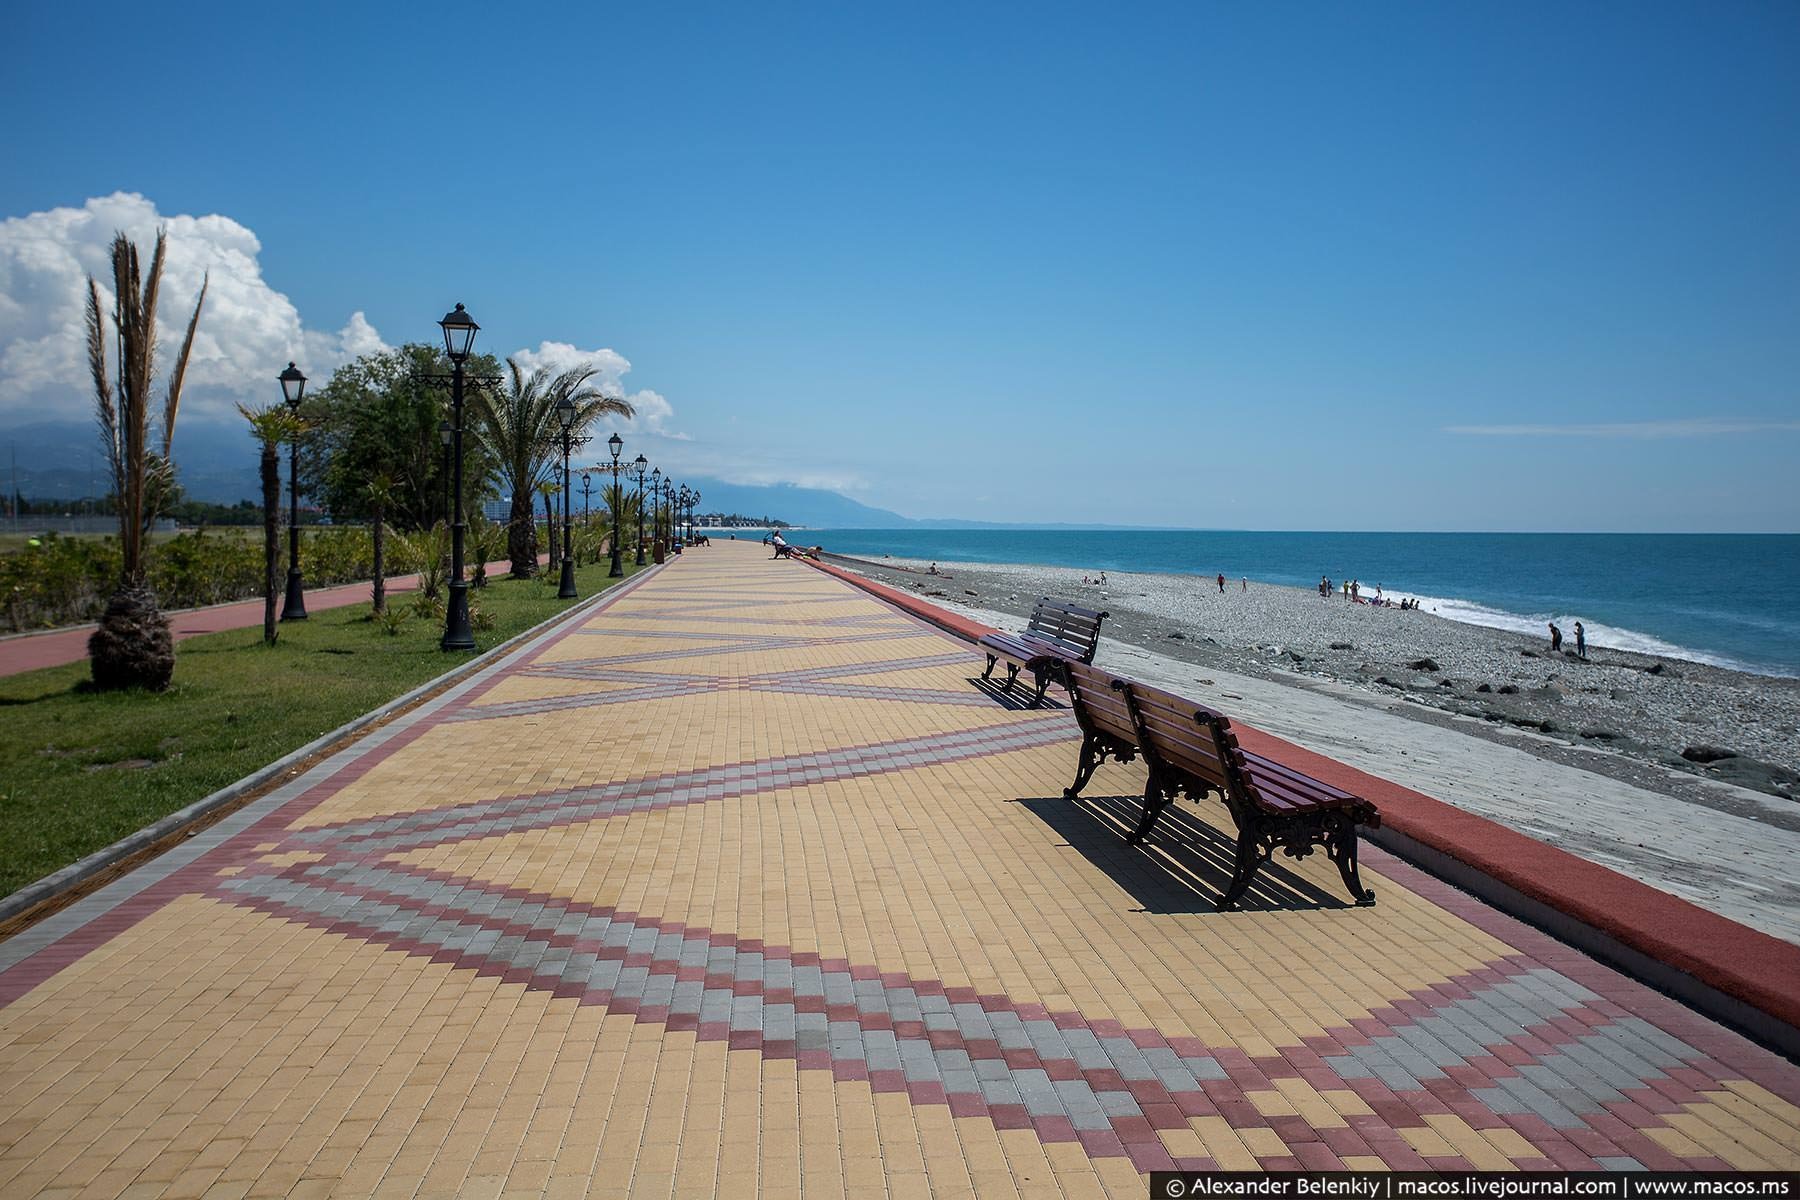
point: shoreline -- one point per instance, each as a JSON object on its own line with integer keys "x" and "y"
{"x": 1687, "y": 830}
{"x": 1626, "y": 714}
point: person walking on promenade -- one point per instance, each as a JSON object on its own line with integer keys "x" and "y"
{"x": 1555, "y": 638}
{"x": 1580, "y": 641}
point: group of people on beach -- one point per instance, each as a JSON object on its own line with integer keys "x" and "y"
{"x": 1353, "y": 595}
{"x": 1556, "y": 639}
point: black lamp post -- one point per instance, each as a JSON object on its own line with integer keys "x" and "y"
{"x": 681, "y": 501}
{"x": 293, "y": 607}
{"x": 693, "y": 510}
{"x": 444, "y": 437}
{"x": 459, "y": 338}
{"x": 655, "y": 505}
{"x": 640, "y": 464}
{"x": 669, "y": 505}
{"x": 586, "y": 483}
{"x": 613, "y": 443}
{"x": 565, "y": 416}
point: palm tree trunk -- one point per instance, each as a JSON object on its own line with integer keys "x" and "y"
{"x": 378, "y": 535}
{"x": 550, "y": 529}
{"x": 271, "y": 498}
{"x": 521, "y": 537}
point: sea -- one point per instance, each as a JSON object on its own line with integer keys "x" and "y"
{"x": 1731, "y": 600}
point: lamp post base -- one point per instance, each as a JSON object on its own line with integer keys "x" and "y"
{"x": 293, "y": 607}
{"x": 457, "y": 633}
{"x": 618, "y": 566}
{"x": 567, "y": 590}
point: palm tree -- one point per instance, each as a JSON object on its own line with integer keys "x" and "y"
{"x": 380, "y": 490}
{"x": 549, "y": 490}
{"x": 516, "y": 424}
{"x": 271, "y": 426}
{"x": 132, "y": 647}
{"x": 621, "y": 507}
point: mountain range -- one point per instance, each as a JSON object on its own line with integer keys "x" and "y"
{"x": 217, "y": 463}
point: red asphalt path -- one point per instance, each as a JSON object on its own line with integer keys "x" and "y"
{"x": 54, "y": 647}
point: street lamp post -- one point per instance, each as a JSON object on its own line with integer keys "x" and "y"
{"x": 693, "y": 511}
{"x": 586, "y": 483}
{"x": 459, "y": 338}
{"x": 293, "y": 607}
{"x": 640, "y": 464}
{"x": 656, "y": 509}
{"x": 669, "y": 504}
{"x": 565, "y": 416}
{"x": 613, "y": 443}
{"x": 444, "y": 437}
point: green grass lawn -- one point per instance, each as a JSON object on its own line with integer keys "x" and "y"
{"x": 80, "y": 770}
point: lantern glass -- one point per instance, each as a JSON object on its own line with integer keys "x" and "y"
{"x": 459, "y": 333}
{"x": 293, "y": 385}
{"x": 565, "y": 413}
{"x": 615, "y": 441}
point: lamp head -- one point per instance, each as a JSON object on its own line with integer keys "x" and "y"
{"x": 459, "y": 333}
{"x": 293, "y": 385}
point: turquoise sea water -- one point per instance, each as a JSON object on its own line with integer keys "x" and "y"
{"x": 1728, "y": 599}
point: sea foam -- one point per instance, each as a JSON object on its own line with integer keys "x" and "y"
{"x": 1599, "y": 636}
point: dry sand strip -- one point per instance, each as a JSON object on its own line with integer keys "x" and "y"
{"x": 1736, "y": 866}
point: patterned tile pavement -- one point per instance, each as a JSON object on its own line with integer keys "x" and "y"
{"x": 743, "y": 884}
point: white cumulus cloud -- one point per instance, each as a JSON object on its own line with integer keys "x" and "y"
{"x": 248, "y": 330}
{"x": 654, "y": 412}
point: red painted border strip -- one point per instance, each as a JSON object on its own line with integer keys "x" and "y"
{"x": 1743, "y": 963}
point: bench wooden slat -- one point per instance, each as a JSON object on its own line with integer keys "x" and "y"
{"x": 1058, "y": 632}
{"x": 1189, "y": 747}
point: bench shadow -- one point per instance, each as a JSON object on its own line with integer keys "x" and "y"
{"x": 1183, "y": 868}
{"x": 1018, "y": 699}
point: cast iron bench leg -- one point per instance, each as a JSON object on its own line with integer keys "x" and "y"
{"x": 993, "y": 659}
{"x": 1249, "y": 858}
{"x": 1043, "y": 685}
{"x": 1012, "y": 676}
{"x": 1084, "y": 768}
{"x": 1340, "y": 847}
{"x": 1155, "y": 800}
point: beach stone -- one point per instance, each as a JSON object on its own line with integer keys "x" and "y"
{"x": 1177, "y": 636}
{"x": 1528, "y": 654}
{"x": 1343, "y": 645}
{"x": 1706, "y": 754}
{"x": 1423, "y": 664}
{"x": 1602, "y": 735}
{"x": 1486, "y": 687}
{"x": 1507, "y": 689}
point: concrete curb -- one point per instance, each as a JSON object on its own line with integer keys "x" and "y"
{"x": 1740, "y": 977}
{"x": 82, "y": 870}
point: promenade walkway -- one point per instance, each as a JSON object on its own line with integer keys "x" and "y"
{"x": 738, "y": 884}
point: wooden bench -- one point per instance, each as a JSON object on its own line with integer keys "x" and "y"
{"x": 1191, "y": 749}
{"x": 1058, "y": 632}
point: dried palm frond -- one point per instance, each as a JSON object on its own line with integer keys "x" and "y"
{"x": 173, "y": 403}
{"x": 106, "y": 410}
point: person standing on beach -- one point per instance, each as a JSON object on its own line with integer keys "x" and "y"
{"x": 1555, "y": 638}
{"x": 1580, "y": 641}
{"x": 1243, "y": 583}
{"x": 1221, "y": 583}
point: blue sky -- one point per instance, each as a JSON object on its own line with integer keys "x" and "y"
{"x": 1504, "y": 266}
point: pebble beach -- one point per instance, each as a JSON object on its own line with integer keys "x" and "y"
{"x": 1669, "y": 714}
{"x": 1681, "y": 774}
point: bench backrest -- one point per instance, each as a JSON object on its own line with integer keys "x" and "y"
{"x": 1098, "y": 708}
{"x": 1188, "y": 739}
{"x": 1076, "y": 627}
